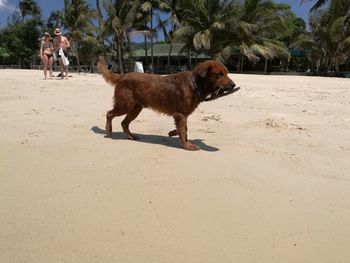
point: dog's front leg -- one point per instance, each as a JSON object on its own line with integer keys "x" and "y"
{"x": 181, "y": 127}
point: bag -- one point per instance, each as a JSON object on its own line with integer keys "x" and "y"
{"x": 64, "y": 58}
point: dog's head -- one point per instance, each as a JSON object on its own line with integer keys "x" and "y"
{"x": 214, "y": 75}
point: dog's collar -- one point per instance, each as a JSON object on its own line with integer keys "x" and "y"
{"x": 195, "y": 86}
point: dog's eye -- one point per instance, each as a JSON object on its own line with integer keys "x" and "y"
{"x": 221, "y": 74}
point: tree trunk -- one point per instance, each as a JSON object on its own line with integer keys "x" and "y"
{"x": 265, "y": 66}
{"x": 329, "y": 63}
{"x": 242, "y": 63}
{"x": 146, "y": 47}
{"x": 120, "y": 60}
{"x": 92, "y": 69}
{"x": 100, "y": 23}
{"x": 120, "y": 57}
{"x": 146, "y": 51}
{"x": 189, "y": 60}
{"x": 78, "y": 62}
{"x": 99, "y": 13}
{"x": 152, "y": 58}
{"x": 169, "y": 55}
{"x": 336, "y": 63}
{"x": 129, "y": 45}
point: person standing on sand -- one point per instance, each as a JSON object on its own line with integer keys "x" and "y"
{"x": 58, "y": 43}
{"x": 46, "y": 49}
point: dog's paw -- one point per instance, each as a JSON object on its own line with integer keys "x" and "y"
{"x": 108, "y": 129}
{"x": 172, "y": 133}
{"x": 191, "y": 147}
{"x": 133, "y": 137}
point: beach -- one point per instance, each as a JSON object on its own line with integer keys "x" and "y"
{"x": 271, "y": 182}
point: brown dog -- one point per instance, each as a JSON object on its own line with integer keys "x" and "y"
{"x": 177, "y": 95}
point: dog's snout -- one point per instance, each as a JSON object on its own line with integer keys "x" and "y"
{"x": 233, "y": 84}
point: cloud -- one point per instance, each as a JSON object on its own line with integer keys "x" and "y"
{"x": 3, "y": 3}
{"x": 4, "y": 6}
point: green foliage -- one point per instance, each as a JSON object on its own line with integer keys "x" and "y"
{"x": 20, "y": 39}
{"x": 4, "y": 54}
{"x": 29, "y": 8}
{"x": 121, "y": 16}
{"x": 54, "y": 21}
{"x": 202, "y": 24}
{"x": 221, "y": 29}
{"x": 77, "y": 19}
{"x": 328, "y": 41}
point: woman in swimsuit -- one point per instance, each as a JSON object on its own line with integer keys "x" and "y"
{"x": 46, "y": 49}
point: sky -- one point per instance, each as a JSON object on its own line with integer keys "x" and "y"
{"x": 9, "y": 6}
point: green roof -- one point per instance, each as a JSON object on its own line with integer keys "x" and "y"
{"x": 162, "y": 50}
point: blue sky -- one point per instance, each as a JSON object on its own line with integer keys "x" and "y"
{"x": 8, "y": 6}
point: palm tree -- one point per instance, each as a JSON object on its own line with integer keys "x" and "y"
{"x": 318, "y": 4}
{"x": 29, "y": 8}
{"x": 170, "y": 24}
{"x": 151, "y": 7}
{"x": 321, "y": 3}
{"x": 54, "y": 20}
{"x": 31, "y": 18}
{"x": 4, "y": 54}
{"x": 77, "y": 19}
{"x": 200, "y": 23}
{"x": 99, "y": 12}
{"x": 257, "y": 32}
{"x": 204, "y": 21}
{"x": 100, "y": 29}
{"x": 121, "y": 16}
{"x": 329, "y": 40}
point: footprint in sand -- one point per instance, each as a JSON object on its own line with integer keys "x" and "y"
{"x": 33, "y": 112}
{"x": 56, "y": 109}
{"x": 212, "y": 118}
{"x": 207, "y": 130}
{"x": 282, "y": 124}
{"x": 34, "y": 134}
{"x": 25, "y": 141}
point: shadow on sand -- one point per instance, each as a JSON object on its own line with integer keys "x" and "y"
{"x": 156, "y": 139}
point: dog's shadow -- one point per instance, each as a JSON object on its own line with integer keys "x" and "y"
{"x": 156, "y": 139}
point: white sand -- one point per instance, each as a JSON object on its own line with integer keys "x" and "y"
{"x": 271, "y": 183}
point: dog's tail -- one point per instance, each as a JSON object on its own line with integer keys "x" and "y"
{"x": 110, "y": 77}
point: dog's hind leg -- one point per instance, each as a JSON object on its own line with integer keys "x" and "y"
{"x": 109, "y": 117}
{"x": 181, "y": 127}
{"x": 129, "y": 118}
{"x": 123, "y": 103}
{"x": 172, "y": 133}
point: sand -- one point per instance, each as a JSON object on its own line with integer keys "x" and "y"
{"x": 271, "y": 183}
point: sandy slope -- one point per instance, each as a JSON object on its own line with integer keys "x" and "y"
{"x": 271, "y": 183}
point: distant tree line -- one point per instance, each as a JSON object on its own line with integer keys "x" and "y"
{"x": 250, "y": 30}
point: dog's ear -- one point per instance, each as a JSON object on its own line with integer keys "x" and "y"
{"x": 202, "y": 69}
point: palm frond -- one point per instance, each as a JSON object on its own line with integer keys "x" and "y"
{"x": 347, "y": 41}
{"x": 318, "y": 5}
{"x": 184, "y": 31}
{"x": 146, "y": 6}
{"x": 248, "y": 52}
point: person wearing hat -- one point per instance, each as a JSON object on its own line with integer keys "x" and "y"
{"x": 46, "y": 49}
{"x": 61, "y": 42}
